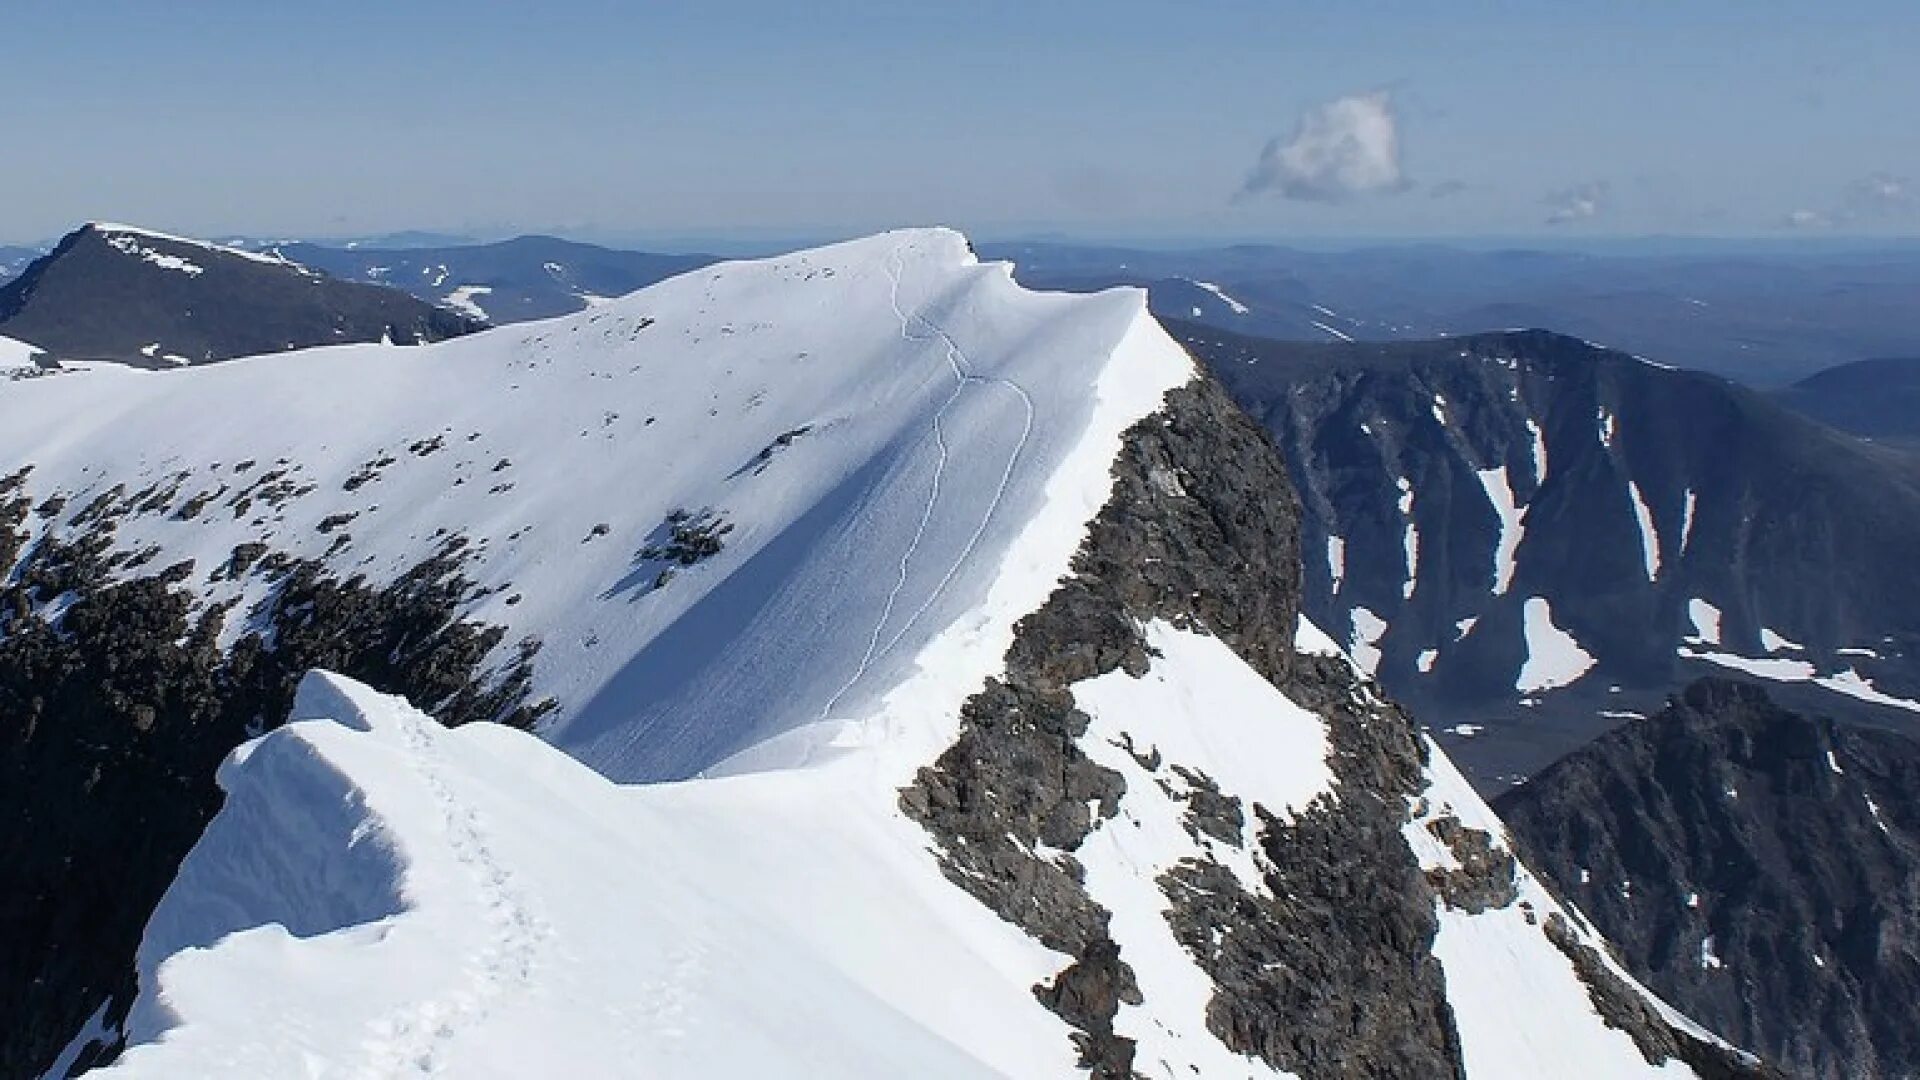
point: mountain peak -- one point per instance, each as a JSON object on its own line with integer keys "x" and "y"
{"x": 117, "y": 292}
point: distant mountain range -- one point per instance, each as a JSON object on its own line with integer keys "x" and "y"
{"x": 113, "y": 292}
{"x": 15, "y": 259}
{"x": 1760, "y": 869}
{"x": 1528, "y": 538}
{"x": 532, "y": 277}
{"x": 1763, "y": 318}
{"x": 1877, "y": 399}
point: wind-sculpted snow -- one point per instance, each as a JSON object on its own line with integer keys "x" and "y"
{"x": 519, "y": 915}
{"x": 935, "y": 398}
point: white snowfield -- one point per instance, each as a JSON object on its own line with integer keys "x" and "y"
{"x": 15, "y": 357}
{"x": 382, "y": 897}
{"x": 878, "y": 422}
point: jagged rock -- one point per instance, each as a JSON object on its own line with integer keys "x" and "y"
{"x": 1757, "y": 868}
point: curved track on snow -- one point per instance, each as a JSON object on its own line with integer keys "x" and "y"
{"x": 964, "y": 376}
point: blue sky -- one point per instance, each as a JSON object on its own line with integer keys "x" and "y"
{"x": 1120, "y": 119}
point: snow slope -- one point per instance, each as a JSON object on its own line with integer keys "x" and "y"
{"x": 470, "y": 903}
{"x": 385, "y": 897}
{"x": 873, "y": 421}
{"x": 906, "y": 450}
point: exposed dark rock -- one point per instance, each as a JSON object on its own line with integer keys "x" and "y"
{"x": 1194, "y": 534}
{"x": 1621, "y": 1008}
{"x": 1780, "y": 523}
{"x": 116, "y": 705}
{"x": 1330, "y": 972}
{"x": 1758, "y": 869}
{"x": 1484, "y": 878}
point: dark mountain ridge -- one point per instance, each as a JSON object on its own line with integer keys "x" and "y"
{"x": 110, "y": 292}
{"x": 1758, "y": 868}
{"x": 1875, "y": 399}
{"x": 1586, "y": 531}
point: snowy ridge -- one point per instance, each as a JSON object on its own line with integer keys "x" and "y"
{"x": 115, "y": 231}
{"x": 472, "y": 903}
{"x": 775, "y": 945}
{"x": 783, "y": 401}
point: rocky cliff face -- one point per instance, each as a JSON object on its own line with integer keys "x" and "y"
{"x": 1526, "y": 537}
{"x": 1324, "y": 963}
{"x": 1758, "y": 868}
{"x": 110, "y": 292}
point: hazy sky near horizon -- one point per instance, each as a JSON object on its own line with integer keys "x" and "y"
{"x": 1120, "y": 119}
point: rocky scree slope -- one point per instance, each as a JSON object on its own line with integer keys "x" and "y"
{"x": 113, "y": 292}
{"x": 1758, "y": 867}
{"x": 1528, "y": 537}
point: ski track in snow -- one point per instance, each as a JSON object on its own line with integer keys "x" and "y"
{"x": 964, "y": 376}
{"x": 413, "y": 1041}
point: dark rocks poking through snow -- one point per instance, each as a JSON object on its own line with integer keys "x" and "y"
{"x": 1624, "y": 1009}
{"x": 684, "y": 539}
{"x": 117, "y": 702}
{"x": 1758, "y": 869}
{"x": 1201, "y": 531}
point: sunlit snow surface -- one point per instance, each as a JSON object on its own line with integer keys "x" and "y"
{"x": 938, "y": 400}
{"x": 412, "y": 901}
{"x": 1520, "y": 1008}
{"x": 1554, "y": 657}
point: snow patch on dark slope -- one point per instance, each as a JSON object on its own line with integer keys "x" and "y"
{"x": 1571, "y": 503}
{"x": 114, "y": 292}
{"x": 1085, "y": 691}
{"x": 1755, "y": 866}
{"x": 518, "y": 280}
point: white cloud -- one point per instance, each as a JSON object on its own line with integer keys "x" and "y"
{"x": 1582, "y": 203}
{"x": 1342, "y": 148}
{"x": 1880, "y": 193}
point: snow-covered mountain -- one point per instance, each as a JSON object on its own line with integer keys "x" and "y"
{"x": 518, "y": 280}
{"x": 1756, "y": 865}
{"x": 916, "y": 679}
{"x": 1528, "y": 537}
{"x": 114, "y": 292}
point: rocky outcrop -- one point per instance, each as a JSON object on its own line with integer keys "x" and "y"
{"x": 1329, "y": 972}
{"x": 1757, "y": 868}
{"x": 1201, "y": 532}
{"x": 120, "y": 691}
{"x": 1624, "y": 1009}
{"x": 1226, "y": 559}
{"x": 1322, "y": 958}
